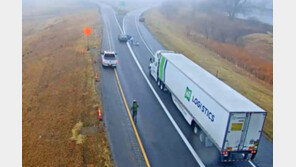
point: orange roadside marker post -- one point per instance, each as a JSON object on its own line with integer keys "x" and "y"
{"x": 87, "y": 31}
{"x": 99, "y": 114}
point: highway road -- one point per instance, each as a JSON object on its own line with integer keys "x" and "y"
{"x": 166, "y": 137}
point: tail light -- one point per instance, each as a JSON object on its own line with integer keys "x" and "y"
{"x": 103, "y": 61}
{"x": 225, "y": 153}
{"x": 116, "y": 61}
{"x": 253, "y": 151}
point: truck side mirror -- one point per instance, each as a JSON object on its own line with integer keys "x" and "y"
{"x": 151, "y": 60}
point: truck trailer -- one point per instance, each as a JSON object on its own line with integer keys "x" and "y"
{"x": 221, "y": 116}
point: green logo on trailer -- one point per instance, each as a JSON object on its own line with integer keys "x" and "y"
{"x": 161, "y": 68}
{"x": 188, "y": 93}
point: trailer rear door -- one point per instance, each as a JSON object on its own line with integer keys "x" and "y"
{"x": 244, "y": 131}
{"x": 235, "y": 131}
{"x": 254, "y": 131}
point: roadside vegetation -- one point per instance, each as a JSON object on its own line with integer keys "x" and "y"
{"x": 60, "y": 125}
{"x": 238, "y": 52}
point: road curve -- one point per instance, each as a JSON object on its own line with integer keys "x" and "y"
{"x": 162, "y": 143}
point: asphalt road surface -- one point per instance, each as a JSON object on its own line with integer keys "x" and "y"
{"x": 167, "y": 138}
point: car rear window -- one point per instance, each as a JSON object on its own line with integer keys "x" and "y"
{"x": 109, "y": 56}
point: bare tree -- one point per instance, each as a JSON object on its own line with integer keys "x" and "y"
{"x": 232, "y": 7}
{"x": 206, "y": 27}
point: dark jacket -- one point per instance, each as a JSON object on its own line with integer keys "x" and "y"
{"x": 134, "y": 107}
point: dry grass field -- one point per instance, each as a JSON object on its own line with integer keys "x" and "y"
{"x": 173, "y": 36}
{"x": 260, "y": 45}
{"x": 59, "y": 117}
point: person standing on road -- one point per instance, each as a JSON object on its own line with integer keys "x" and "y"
{"x": 132, "y": 40}
{"x": 134, "y": 108}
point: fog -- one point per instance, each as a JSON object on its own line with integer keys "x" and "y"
{"x": 262, "y": 11}
{"x": 255, "y": 10}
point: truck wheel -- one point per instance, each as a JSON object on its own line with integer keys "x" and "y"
{"x": 195, "y": 128}
{"x": 202, "y": 137}
{"x": 158, "y": 83}
{"x": 162, "y": 86}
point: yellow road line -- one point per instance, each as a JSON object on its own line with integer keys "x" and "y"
{"x": 133, "y": 124}
{"x": 127, "y": 108}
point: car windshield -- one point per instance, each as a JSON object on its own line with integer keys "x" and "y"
{"x": 109, "y": 56}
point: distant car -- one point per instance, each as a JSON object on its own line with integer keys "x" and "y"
{"x": 142, "y": 19}
{"x": 109, "y": 59}
{"x": 123, "y": 37}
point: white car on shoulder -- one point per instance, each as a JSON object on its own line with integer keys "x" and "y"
{"x": 109, "y": 59}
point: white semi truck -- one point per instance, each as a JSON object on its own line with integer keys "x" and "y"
{"x": 218, "y": 114}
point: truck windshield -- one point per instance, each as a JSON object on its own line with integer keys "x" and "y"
{"x": 109, "y": 56}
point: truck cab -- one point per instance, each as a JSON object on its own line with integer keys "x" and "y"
{"x": 153, "y": 66}
{"x": 154, "y": 63}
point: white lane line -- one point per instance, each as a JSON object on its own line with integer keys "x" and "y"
{"x": 252, "y": 163}
{"x": 191, "y": 149}
{"x": 138, "y": 33}
{"x": 137, "y": 27}
{"x": 123, "y": 23}
{"x": 117, "y": 21}
{"x": 197, "y": 158}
